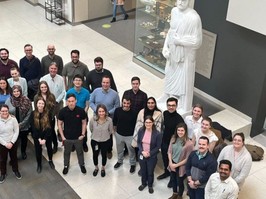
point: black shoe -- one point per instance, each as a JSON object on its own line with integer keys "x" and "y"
{"x": 51, "y": 164}
{"x": 113, "y": 20}
{"x": 139, "y": 173}
{"x": 117, "y": 165}
{"x": 151, "y": 190}
{"x": 83, "y": 169}
{"x": 18, "y": 175}
{"x": 132, "y": 169}
{"x": 65, "y": 170}
{"x": 164, "y": 175}
{"x": 55, "y": 150}
{"x": 141, "y": 187}
{"x": 39, "y": 168}
{"x": 2, "y": 179}
{"x": 102, "y": 172}
{"x": 73, "y": 148}
{"x": 95, "y": 172}
{"x": 109, "y": 155}
{"x": 85, "y": 148}
{"x": 23, "y": 155}
{"x": 126, "y": 17}
{"x": 170, "y": 184}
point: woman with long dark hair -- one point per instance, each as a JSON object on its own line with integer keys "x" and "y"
{"x": 41, "y": 132}
{"x": 5, "y": 90}
{"x": 179, "y": 149}
{"x": 149, "y": 143}
{"x": 50, "y": 102}
{"x": 20, "y": 106}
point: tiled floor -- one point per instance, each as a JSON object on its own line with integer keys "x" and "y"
{"x": 22, "y": 23}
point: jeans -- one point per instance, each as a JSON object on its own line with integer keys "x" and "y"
{"x": 147, "y": 166}
{"x": 115, "y": 8}
{"x": 178, "y": 181}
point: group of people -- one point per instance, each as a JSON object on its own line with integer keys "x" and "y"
{"x": 140, "y": 128}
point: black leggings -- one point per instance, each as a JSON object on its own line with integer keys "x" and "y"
{"x": 38, "y": 149}
{"x": 23, "y": 136}
{"x": 96, "y": 148}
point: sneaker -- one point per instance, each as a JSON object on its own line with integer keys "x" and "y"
{"x": 18, "y": 175}
{"x": 83, "y": 169}
{"x": 2, "y": 179}
{"x": 151, "y": 190}
{"x": 164, "y": 175}
{"x": 141, "y": 187}
{"x": 65, "y": 170}
{"x": 109, "y": 155}
{"x": 132, "y": 169}
{"x": 117, "y": 165}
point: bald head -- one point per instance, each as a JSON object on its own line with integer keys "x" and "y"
{"x": 51, "y": 49}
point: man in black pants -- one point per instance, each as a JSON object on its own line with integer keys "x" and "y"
{"x": 171, "y": 119}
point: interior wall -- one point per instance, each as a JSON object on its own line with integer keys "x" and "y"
{"x": 238, "y": 75}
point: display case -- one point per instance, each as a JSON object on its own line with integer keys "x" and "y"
{"x": 54, "y": 11}
{"x": 152, "y": 24}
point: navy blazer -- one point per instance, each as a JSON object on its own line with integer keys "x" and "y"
{"x": 156, "y": 140}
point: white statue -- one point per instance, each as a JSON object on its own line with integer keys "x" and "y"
{"x": 182, "y": 40}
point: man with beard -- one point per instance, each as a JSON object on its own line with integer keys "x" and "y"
{"x": 222, "y": 185}
{"x": 5, "y": 63}
{"x": 73, "y": 68}
{"x": 199, "y": 167}
{"x": 94, "y": 78}
{"x": 51, "y": 57}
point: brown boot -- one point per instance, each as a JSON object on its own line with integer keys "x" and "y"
{"x": 174, "y": 196}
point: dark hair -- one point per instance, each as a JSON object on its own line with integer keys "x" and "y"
{"x": 172, "y": 99}
{"x": 106, "y": 76}
{"x": 227, "y": 162}
{"x": 50, "y": 98}
{"x": 74, "y": 51}
{"x": 8, "y": 88}
{"x": 204, "y": 138}
{"x": 198, "y": 106}
{"x": 149, "y": 117}
{"x": 98, "y": 59}
{"x": 206, "y": 118}
{"x": 1, "y": 49}
{"x": 78, "y": 76}
{"x": 4, "y": 106}
{"x": 28, "y": 45}
{"x": 70, "y": 95}
{"x": 135, "y": 78}
{"x": 127, "y": 98}
{"x": 103, "y": 107}
{"x": 155, "y": 108}
{"x": 240, "y": 135}
{"x": 175, "y": 136}
{"x": 53, "y": 63}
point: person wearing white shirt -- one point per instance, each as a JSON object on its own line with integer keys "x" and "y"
{"x": 221, "y": 185}
{"x": 193, "y": 121}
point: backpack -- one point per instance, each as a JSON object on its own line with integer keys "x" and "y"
{"x": 255, "y": 151}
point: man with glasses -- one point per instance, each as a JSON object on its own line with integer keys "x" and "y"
{"x": 94, "y": 78}
{"x": 51, "y": 57}
{"x": 171, "y": 119}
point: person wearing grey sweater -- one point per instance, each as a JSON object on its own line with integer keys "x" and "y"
{"x": 9, "y": 131}
{"x": 240, "y": 158}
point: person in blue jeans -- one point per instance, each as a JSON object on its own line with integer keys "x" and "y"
{"x": 119, "y": 3}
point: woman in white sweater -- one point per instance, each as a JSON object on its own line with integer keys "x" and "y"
{"x": 240, "y": 158}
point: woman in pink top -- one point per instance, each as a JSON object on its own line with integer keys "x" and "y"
{"x": 149, "y": 143}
